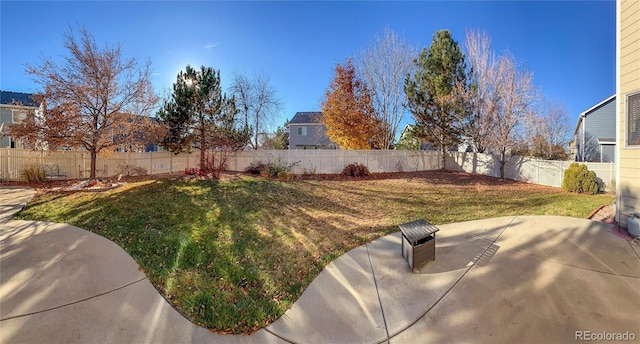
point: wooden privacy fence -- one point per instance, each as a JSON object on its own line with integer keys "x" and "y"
{"x": 76, "y": 164}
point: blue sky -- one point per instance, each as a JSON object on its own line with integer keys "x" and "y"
{"x": 569, "y": 46}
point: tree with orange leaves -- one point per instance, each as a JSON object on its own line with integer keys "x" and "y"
{"x": 348, "y": 112}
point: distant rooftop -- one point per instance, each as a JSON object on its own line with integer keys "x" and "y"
{"x": 306, "y": 117}
{"x": 10, "y": 98}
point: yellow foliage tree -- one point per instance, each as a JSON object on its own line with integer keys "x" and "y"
{"x": 348, "y": 113}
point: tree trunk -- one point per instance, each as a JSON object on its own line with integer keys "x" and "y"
{"x": 94, "y": 157}
{"x": 203, "y": 145}
{"x": 444, "y": 157}
{"x": 202, "y": 158}
{"x": 503, "y": 156}
{"x": 256, "y": 138}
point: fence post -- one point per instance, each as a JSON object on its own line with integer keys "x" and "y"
{"x": 5, "y": 163}
{"x": 612, "y": 176}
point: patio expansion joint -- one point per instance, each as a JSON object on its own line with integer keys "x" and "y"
{"x": 634, "y": 249}
{"x": 474, "y": 262}
{"x": 75, "y": 302}
{"x": 375, "y": 282}
{"x": 266, "y": 329}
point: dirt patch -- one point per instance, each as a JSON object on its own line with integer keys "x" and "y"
{"x": 604, "y": 213}
{"x": 95, "y": 185}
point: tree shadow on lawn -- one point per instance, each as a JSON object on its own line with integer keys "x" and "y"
{"x": 233, "y": 256}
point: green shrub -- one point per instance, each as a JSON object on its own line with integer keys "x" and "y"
{"x": 256, "y": 167}
{"x": 355, "y": 170}
{"x": 578, "y": 178}
{"x": 271, "y": 169}
{"x": 33, "y": 174}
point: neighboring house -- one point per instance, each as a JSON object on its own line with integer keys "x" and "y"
{"x": 628, "y": 114}
{"x": 595, "y": 133}
{"x": 572, "y": 149}
{"x": 14, "y": 107}
{"x": 306, "y": 131}
{"x": 410, "y": 141}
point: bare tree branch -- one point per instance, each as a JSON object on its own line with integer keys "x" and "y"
{"x": 94, "y": 99}
{"x": 258, "y": 101}
{"x": 384, "y": 67}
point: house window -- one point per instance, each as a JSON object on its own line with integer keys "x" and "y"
{"x": 18, "y": 116}
{"x": 16, "y": 143}
{"x": 633, "y": 120}
{"x": 302, "y": 131}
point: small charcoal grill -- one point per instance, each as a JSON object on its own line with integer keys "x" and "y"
{"x": 418, "y": 243}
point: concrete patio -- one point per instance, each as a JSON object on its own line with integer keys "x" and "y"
{"x": 523, "y": 278}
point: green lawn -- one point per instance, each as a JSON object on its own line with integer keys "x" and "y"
{"x": 235, "y": 255}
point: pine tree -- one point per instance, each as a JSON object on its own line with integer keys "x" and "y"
{"x": 437, "y": 93}
{"x": 198, "y": 115}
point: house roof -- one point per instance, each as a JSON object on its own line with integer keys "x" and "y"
{"x": 11, "y": 98}
{"x": 590, "y": 110}
{"x": 607, "y": 140}
{"x": 306, "y": 118}
{"x": 406, "y": 127}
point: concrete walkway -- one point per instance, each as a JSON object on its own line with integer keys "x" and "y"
{"x": 525, "y": 279}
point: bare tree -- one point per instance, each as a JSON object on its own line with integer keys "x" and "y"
{"x": 548, "y": 131}
{"x": 514, "y": 99}
{"x": 94, "y": 99}
{"x": 502, "y": 96}
{"x": 384, "y": 67}
{"x": 482, "y": 95}
{"x": 257, "y": 101}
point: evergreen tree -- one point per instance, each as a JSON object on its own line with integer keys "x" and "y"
{"x": 436, "y": 94}
{"x": 278, "y": 140}
{"x": 198, "y": 115}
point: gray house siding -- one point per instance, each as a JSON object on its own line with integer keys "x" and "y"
{"x": 315, "y": 137}
{"x": 5, "y": 121}
{"x": 608, "y": 153}
{"x": 307, "y": 132}
{"x": 10, "y": 102}
{"x": 596, "y": 132}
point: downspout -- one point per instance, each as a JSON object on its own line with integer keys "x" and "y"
{"x": 600, "y": 152}
{"x": 584, "y": 124}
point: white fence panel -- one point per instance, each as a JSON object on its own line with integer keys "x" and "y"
{"x": 76, "y": 164}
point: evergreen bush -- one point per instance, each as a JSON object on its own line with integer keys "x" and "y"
{"x": 578, "y": 178}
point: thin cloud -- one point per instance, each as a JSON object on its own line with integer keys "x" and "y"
{"x": 210, "y": 45}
